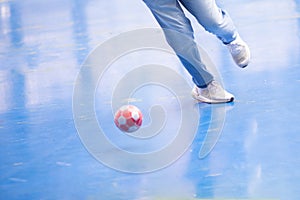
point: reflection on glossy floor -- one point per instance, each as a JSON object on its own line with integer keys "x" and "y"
{"x": 42, "y": 47}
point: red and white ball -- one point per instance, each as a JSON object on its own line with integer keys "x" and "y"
{"x": 128, "y": 118}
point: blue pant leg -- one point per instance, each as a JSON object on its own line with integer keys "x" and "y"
{"x": 212, "y": 18}
{"x": 180, "y": 36}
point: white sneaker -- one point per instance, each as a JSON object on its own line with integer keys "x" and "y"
{"x": 213, "y": 93}
{"x": 240, "y": 52}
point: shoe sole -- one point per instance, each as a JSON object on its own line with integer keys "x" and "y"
{"x": 244, "y": 65}
{"x": 210, "y": 101}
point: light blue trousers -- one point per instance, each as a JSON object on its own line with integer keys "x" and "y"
{"x": 180, "y": 35}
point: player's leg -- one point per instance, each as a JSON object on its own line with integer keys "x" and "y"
{"x": 179, "y": 34}
{"x": 218, "y": 22}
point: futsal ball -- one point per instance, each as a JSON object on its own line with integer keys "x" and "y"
{"x": 128, "y": 118}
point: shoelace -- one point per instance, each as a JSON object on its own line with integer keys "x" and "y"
{"x": 236, "y": 48}
{"x": 213, "y": 87}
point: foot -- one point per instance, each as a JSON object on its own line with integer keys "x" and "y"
{"x": 240, "y": 52}
{"x": 213, "y": 93}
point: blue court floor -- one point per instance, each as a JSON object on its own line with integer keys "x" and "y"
{"x": 52, "y": 96}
